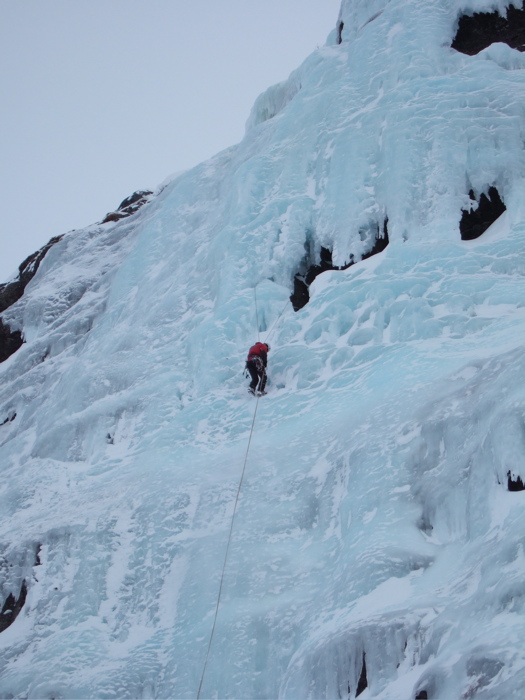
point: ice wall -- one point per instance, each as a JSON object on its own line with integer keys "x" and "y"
{"x": 375, "y": 529}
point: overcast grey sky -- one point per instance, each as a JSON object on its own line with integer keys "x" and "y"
{"x": 104, "y": 97}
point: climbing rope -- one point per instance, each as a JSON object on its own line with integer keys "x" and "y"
{"x": 278, "y": 317}
{"x": 256, "y": 312}
{"x": 257, "y": 316}
{"x": 231, "y": 526}
{"x": 227, "y": 552}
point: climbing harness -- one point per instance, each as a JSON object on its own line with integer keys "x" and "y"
{"x": 226, "y": 553}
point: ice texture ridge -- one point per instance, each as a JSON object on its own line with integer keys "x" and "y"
{"x": 377, "y": 548}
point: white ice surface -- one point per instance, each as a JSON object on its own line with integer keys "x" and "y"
{"x": 374, "y": 516}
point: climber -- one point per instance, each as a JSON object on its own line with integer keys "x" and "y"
{"x": 256, "y": 366}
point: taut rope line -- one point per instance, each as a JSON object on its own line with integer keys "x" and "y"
{"x": 256, "y": 312}
{"x": 275, "y": 322}
{"x": 227, "y": 551}
{"x": 231, "y": 526}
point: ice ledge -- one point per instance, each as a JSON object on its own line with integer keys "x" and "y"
{"x": 273, "y": 101}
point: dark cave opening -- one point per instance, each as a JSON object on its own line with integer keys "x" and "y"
{"x": 380, "y": 241}
{"x": 481, "y": 29}
{"x": 375, "y": 236}
{"x": 302, "y": 280}
{"x": 474, "y": 222}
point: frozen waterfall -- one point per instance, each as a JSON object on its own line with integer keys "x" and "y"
{"x": 378, "y": 542}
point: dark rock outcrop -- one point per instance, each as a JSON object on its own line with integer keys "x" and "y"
{"x": 303, "y": 280}
{"x": 8, "y": 420}
{"x": 377, "y": 239}
{"x": 474, "y": 222}
{"x": 422, "y": 695}
{"x": 12, "y": 291}
{"x": 477, "y": 31}
{"x": 10, "y": 341}
{"x": 340, "y": 32}
{"x": 514, "y": 484}
{"x": 12, "y": 607}
{"x": 363, "y": 682}
{"x": 129, "y": 206}
{"x": 380, "y": 241}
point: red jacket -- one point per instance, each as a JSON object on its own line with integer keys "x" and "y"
{"x": 259, "y": 350}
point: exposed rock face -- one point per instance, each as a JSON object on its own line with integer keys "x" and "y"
{"x": 12, "y": 291}
{"x": 478, "y": 31}
{"x": 476, "y": 221}
{"x": 16, "y": 574}
{"x": 12, "y": 607}
{"x": 10, "y": 341}
{"x": 514, "y": 484}
{"x": 9, "y": 419}
{"x": 377, "y": 239}
{"x": 302, "y": 281}
{"x": 129, "y": 206}
{"x": 340, "y": 32}
{"x": 363, "y": 682}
